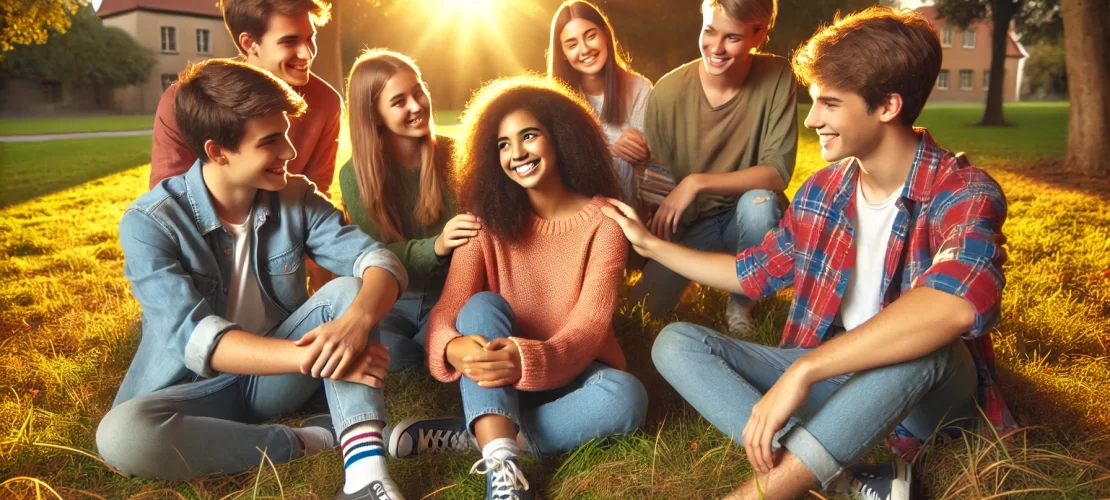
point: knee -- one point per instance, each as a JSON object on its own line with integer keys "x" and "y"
{"x": 629, "y": 401}
{"x": 758, "y": 210}
{"x": 341, "y": 292}
{"x": 486, "y": 314}
{"x": 674, "y": 340}
{"x": 128, "y": 439}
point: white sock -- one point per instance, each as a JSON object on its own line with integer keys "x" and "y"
{"x": 502, "y": 449}
{"x": 363, "y": 455}
{"x": 315, "y": 439}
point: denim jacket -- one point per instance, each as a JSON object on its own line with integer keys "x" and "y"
{"x": 178, "y": 260}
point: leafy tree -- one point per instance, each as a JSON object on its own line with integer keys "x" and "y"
{"x": 1038, "y": 15}
{"x": 88, "y": 54}
{"x": 30, "y": 22}
{"x": 1045, "y": 74}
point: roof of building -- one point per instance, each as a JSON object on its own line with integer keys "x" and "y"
{"x": 1013, "y": 47}
{"x": 203, "y": 8}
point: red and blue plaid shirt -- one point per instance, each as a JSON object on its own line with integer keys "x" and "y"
{"x": 946, "y": 235}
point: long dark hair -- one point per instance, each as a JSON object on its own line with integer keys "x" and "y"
{"x": 615, "y": 72}
{"x": 582, "y": 155}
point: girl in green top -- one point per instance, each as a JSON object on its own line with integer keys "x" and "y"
{"x": 395, "y": 188}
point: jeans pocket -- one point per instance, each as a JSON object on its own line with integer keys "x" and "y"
{"x": 285, "y": 273}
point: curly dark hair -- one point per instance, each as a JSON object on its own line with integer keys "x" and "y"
{"x": 582, "y": 153}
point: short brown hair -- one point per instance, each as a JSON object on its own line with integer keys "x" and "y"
{"x": 875, "y": 52}
{"x": 215, "y": 98}
{"x": 253, "y": 16}
{"x": 759, "y": 12}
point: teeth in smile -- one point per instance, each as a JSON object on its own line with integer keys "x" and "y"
{"x": 589, "y": 60}
{"x": 717, "y": 60}
{"x": 527, "y": 167}
{"x": 299, "y": 67}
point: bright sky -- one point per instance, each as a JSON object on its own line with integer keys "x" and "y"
{"x": 96, "y": 4}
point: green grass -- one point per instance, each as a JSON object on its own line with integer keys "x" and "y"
{"x": 65, "y": 125}
{"x": 70, "y": 327}
{"x": 33, "y": 169}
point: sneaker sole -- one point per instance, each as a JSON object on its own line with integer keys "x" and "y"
{"x": 398, "y": 431}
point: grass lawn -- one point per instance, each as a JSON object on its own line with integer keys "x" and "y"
{"x": 69, "y": 327}
{"x": 71, "y": 124}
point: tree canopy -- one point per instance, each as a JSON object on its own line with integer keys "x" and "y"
{"x": 89, "y": 53}
{"x": 30, "y": 22}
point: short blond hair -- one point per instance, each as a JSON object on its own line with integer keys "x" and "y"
{"x": 758, "y": 12}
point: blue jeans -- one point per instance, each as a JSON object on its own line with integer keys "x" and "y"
{"x": 403, "y": 330}
{"x": 204, "y": 426}
{"x": 601, "y": 401}
{"x": 843, "y": 417}
{"x": 756, "y": 213}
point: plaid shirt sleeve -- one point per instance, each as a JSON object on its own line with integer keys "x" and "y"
{"x": 768, "y": 267}
{"x": 965, "y": 223}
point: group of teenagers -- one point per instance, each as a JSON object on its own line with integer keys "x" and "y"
{"x": 496, "y": 259}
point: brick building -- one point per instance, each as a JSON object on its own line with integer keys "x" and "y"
{"x": 965, "y": 72}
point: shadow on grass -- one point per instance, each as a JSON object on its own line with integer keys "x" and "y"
{"x": 35, "y": 169}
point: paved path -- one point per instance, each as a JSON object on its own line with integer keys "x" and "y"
{"x": 79, "y": 135}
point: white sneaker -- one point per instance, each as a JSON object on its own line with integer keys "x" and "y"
{"x": 889, "y": 481}
{"x": 739, "y": 318}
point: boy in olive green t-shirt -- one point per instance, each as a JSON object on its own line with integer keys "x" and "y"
{"x": 726, "y": 125}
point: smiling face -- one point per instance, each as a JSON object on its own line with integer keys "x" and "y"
{"x": 585, "y": 46}
{"x": 259, "y": 160}
{"x": 526, "y": 150}
{"x": 725, "y": 42}
{"x": 843, "y": 124}
{"x": 404, "y": 107}
{"x": 286, "y": 49}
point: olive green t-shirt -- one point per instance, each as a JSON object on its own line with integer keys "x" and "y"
{"x": 758, "y": 126}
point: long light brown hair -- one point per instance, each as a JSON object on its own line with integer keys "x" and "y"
{"x": 374, "y": 173}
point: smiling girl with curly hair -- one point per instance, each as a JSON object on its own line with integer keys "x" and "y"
{"x": 525, "y": 320}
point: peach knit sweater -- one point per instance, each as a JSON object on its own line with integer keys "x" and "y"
{"x": 561, "y": 278}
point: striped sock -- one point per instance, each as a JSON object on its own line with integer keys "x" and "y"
{"x": 363, "y": 455}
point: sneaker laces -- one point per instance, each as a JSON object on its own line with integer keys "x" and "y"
{"x": 440, "y": 439}
{"x": 504, "y": 475}
{"x": 739, "y": 319}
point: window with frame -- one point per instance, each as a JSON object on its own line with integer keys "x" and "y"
{"x": 169, "y": 39}
{"x": 942, "y": 80}
{"x": 969, "y": 39}
{"x": 986, "y": 80}
{"x": 204, "y": 38}
{"x": 167, "y": 80}
{"x": 946, "y": 36}
{"x": 965, "y": 79}
{"x": 51, "y": 91}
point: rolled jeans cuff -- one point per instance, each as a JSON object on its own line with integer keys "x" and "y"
{"x": 813, "y": 454}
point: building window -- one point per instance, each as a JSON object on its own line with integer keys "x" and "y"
{"x": 965, "y": 79}
{"x": 168, "y": 79}
{"x": 942, "y": 80}
{"x": 946, "y": 36}
{"x": 986, "y": 80}
{"x": 169, "y": 39}
{"x": 969, "y": 39}
{"x": 203, "y": 38}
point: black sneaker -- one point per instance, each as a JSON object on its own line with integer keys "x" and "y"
{"x": 415, "y": 436}
{"x": 889, "y": 481}
{"x": 377, "y": 490}
{"x": 504, "y": 480}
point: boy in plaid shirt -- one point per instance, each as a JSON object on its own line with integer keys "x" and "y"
{"x": 894, "y": 253}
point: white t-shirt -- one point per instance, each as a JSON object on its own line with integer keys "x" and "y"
{"x": 874, "y": 224}
{"x": 245, "y": 305}
{"x": 637, "y": 90}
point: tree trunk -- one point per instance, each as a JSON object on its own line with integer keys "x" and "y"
{"x": 1088, "y": 57}
{"x": 328, "y": 64}
{"x": 1002, "y": 11}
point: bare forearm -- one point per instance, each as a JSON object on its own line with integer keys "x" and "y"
{"x": 376, "y": 297}
{"x": 244, "y": 353}
{"x": 739, "y": 182}
{"x": 716, "y": 270}
{"x": 916, "y": 324}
